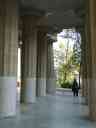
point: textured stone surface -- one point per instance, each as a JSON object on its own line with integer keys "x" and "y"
{"x": 84, "y": 65}
{"x": 41, "y": 63}
{"x": 29, "y": 47}
{"x": 8, "y": 56}
{"x": 92, "y": 55}
{"x": 51, "y": 77}
{"x": 8, "y": 38}
{"x": 29, "y": 59}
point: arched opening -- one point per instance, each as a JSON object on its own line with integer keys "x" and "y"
{"x": 67, "y": 59}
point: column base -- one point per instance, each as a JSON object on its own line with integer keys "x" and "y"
{"x": 92, "y": 99}
{"x": 7, "y": 96}
{"x": 84, "y": 88}
{"x": 30, "y": 90}
{"x": 51, "y": 86}
{"x": 41, "y": 89}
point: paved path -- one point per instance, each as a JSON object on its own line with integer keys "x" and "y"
{"x": 60, "y": 111}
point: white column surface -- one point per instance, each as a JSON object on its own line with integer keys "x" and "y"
{"x": 30, "y": 91}
{"x": 7, "y": 96}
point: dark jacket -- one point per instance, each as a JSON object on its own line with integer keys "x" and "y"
{"x": 75, "y": 86}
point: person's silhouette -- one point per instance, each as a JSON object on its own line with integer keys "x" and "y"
{"x": 75, "y": 88}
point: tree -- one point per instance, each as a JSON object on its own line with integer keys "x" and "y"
{"x": 77, "y": 50}
{"x": 68, "y": 56}
{"x": 77, "y": 54}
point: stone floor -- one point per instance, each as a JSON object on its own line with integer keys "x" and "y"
{"x": 60, "y": 111}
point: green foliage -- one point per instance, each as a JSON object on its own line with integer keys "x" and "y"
{"x": 77, "y": 51}
{"x": 68, "y": 60}
{"x": 61, "y": 45}
{"x": 66, "y": 75}
{"x": 66, "y": 85}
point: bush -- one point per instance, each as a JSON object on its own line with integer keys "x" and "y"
{"x": 66, "y": 85}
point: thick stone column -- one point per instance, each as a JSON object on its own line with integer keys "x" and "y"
{"x": 29, "y": 59}
{"x": 51, "y": 79}
{"x": 92, "y": 52}
{"x": 84, "y": 63}
{"x": 8, "y": 56}
{"x": 41, "y": 63}
{"x": 88, "y": 56}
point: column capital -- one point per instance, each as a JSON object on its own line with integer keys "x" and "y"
{"x": 39, "y": 22}
{"x": 80, "y": 29}
{"x": 50, "y": 40}
{"x": 28, "y": 26}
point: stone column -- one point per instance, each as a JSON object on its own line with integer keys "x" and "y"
{"x": 41, "y": 63}
{"x": 88, "y": 56}
{"x": 92, "y": 52}
{"x": 51, "y": 79}
{"x": 8, "y": 56}
{"x": 29, "y": 59}
{"x": 84, "y": 63}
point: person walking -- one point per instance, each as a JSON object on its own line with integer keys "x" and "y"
{"x": 75, "y": 88}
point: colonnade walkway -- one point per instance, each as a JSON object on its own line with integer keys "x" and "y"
{"x": 60, "y": 111}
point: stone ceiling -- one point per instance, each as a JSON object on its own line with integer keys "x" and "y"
{"x": 59, "y": 13}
